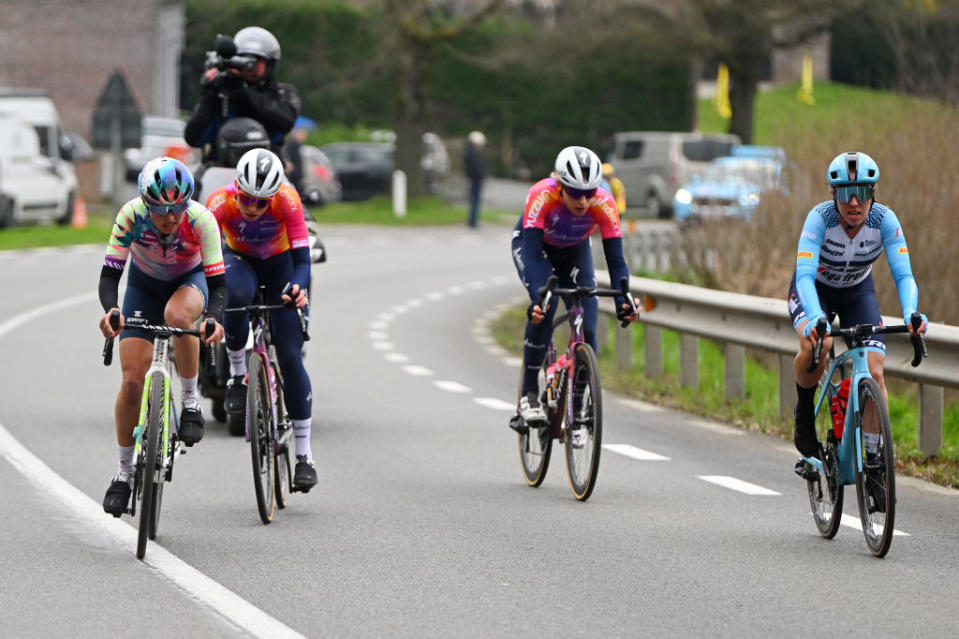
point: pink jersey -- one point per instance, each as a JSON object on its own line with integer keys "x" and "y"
{"x": 561, "y": 227}
{"x": 279, "y": 229}
{"x": 197, "y": 240}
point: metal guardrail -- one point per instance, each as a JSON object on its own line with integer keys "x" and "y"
{"x": 743, "y": 321}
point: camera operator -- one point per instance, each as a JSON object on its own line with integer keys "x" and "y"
{"x": 239, "y": 82}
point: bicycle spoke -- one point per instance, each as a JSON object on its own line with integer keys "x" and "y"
{"x": 584, "y": 423}
{"x": 875, "y": 483}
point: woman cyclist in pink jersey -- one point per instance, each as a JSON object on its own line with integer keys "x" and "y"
{"x": 553, "y": 237}
{"x": 261, "y": 219}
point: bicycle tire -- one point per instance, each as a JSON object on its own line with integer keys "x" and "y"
{"x": 536, "y": 445}
{"x": 583, "y": 449}
{"x": 259, "y": 408}
{"x": 876, "y": 479}
{"x": 826, "y": 492}
{"x": 150, "y": 460}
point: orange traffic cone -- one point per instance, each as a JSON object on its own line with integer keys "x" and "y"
{"x": 79, "y": 218}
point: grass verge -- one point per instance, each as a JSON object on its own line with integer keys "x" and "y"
{"x": 759, "y": 411}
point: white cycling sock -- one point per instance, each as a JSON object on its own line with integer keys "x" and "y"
{"x": 872, "y": 442}
{"x": 237, "y": 362}
{"x": 189, "y": 394}
{"x": 301, "y": 430}
{"x": 125, "y": 466}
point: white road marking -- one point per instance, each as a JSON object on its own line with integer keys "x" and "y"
{"x": 418, "y": 371}
{"x": 398, "y": 358}
{"x": 455, "y": 290}
{"x": 382, "y": 346}
{"x": 377, "y": 335}
{"x": 378, "y": 325}
{"x": 737, "y": 484}
{"x": 853, "y": 521}
{"x": 435, "y": 296}
{"x": 635, "y": 453}
{"x": 513, "y": 362}
{"x": 495, "y": 404}
{"x": 451, "y": 386}
{"x": 23, "y": 318}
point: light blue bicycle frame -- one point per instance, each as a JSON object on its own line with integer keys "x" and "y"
{"x": 850, "y": 454}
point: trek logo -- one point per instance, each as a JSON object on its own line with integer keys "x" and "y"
{"x": 802, "y": 254}
{"x": 903, "y": 250}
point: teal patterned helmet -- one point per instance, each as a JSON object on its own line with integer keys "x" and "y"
{"x": 165, "y": 181}
{"x": 846, "y": 164}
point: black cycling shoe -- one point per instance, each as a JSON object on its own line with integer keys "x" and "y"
{"x": 117, "y": 497}
{"x": 235, "y": 400}
{"x": 806, "y": 470}
{"x": 304, "y": 476}
{"x": 516, "y": 423}
{"x": 191, "y": 426}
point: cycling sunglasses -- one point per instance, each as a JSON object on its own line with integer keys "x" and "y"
{"x": 166, "y": 209}
{"x": 862, "y": 192}
{"x": 252, "y": 202}
{"x": 578, "y": 193}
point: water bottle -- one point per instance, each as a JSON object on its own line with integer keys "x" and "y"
{"x": 838, "y": 408}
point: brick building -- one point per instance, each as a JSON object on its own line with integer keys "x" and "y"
{"x": 72, "y": 47}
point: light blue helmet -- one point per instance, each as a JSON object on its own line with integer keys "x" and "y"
{"x": 845, "y": 164}
{"x": 165, "y": 181}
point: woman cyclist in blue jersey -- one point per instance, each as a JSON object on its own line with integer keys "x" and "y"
{"x": 840, "y": 240}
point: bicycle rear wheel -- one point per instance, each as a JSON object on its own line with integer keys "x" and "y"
{"x": 825, "y": 492}
{"x": 584, "y": 423}
{"x": 876, "y": 479}
{"x": 259, "y": 411}
{"x": 150, "y": 461}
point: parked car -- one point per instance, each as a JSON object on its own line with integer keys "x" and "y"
{"x": 363, "y": 168}
{"x": 320, "y": 184}
{"x": 653, "y": 164}
{"x": 161, "y": 136}
{"x": 45, "y": 185}
{"x": 731, "y": 187}
{"x": 33, "y": 187}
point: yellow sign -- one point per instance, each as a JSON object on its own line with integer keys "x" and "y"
{"x": 804, "y": 94}
{"x": 722, "y": 92}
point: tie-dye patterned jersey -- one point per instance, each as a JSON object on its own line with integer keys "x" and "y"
{"x": 561, "y": 227}
{"x": 196, "y": 240}
{"x": 279, "y": 229}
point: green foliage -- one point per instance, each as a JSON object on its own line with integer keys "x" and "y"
{"x": 379, "y": 210}
{"x": 97, "y": 231}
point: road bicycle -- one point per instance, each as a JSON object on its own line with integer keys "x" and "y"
{"x": 856, "y": 444}
{"x": 268, "y": 427}
{"x": 156, "y": 443}
{"x": 571, "y": 395}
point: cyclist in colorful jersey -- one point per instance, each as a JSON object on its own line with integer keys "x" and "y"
{"x": 177, "y": 275}
{"x": 552, "y": 237}
{"x": 840, "y": 240}
{"x": 267, "y": 242}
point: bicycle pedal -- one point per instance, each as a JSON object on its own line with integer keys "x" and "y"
{"x": 806, "y": 470}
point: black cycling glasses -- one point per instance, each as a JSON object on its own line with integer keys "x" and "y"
{"x": 166, "y": 209}
{"x": 578, "y": 193}
{"x": 862, "y": 192}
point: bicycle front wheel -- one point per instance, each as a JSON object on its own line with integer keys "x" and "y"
{"x": 826, "y": 492}
{"x": 876, "y": 478}
{"x": 259, "y": 414}
{"x": 584, "y": 423}
{"x": 536, "y": 445}
{"x": 150, "y": 462}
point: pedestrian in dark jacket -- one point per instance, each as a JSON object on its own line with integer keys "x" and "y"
{"x": 475, "y": 166}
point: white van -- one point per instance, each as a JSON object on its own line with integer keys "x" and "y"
{"x": 37, "y": 180}
{"x": 653, "y": 164}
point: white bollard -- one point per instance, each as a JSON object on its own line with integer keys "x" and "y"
{"x": 399, "y": 193}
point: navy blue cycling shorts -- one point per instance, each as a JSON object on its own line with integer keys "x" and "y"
{"x": 146, "y": 297}
{"x": 854, "y": 305}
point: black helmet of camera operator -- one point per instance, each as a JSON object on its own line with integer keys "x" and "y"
{"x": 239, "y": 135}
{"x": 258, "y": 42}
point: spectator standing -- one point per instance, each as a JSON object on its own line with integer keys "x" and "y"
{"x": 475, "y": 166}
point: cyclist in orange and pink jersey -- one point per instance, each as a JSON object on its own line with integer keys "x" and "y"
{"x": 552, "y": 237}
{"x": 267, "y": 243}
{"x": 177, "y": 275}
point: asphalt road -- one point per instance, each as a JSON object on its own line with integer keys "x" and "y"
{"x": 422, "y": 524}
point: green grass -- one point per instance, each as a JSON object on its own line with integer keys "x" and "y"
{"x": 97, "y": 231}
{"x": 759, "y": 411}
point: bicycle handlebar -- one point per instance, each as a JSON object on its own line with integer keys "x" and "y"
{"x": 546, "y": 293}
{"x": 208, "y": 327}
{"x": 262, "y": 308}
{"x": 861, "y": 332}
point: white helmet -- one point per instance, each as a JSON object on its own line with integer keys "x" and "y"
{"x": 259, "y": 173}
{"x": 578, "y": 168}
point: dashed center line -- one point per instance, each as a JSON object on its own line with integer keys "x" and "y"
{"x": 737, "y": 484}
{"x": 635, "y": 453}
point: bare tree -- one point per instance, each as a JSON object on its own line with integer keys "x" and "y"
{"x": 418, "y": 28}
